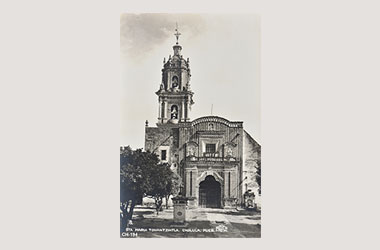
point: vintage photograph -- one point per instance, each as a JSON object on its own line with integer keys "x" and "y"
{"x": 190, "y": 149}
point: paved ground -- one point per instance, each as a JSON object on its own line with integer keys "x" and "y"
{"x": 201, "y": 223}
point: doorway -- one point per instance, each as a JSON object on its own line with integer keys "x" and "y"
{"x": 209, "y": 193}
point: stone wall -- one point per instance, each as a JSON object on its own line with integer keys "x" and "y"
{"x": 162, "y": 137}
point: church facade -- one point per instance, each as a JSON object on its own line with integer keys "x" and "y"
{"x": 216, "y": 158}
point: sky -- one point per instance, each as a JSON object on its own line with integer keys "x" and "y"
{"x": 224, "y": 54}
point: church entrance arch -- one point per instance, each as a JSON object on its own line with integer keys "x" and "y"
{"x": 209, "y": 193}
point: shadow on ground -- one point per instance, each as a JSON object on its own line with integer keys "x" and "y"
{"x": 138, "y": 212}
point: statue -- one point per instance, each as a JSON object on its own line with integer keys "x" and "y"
{"x": 229, "y": 151}
{"x": 191, "y": 151}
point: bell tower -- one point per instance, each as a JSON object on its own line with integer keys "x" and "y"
{"x": 175, "y": 96}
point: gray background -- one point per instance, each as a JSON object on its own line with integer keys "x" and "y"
{"x": 60, "y": 124}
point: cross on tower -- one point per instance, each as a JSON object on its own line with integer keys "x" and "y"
{"x": 177, "y": 34}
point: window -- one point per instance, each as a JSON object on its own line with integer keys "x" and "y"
{"x": 210, "y": 148}
{"x": 163, "y": 155}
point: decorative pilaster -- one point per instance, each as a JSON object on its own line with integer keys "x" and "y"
{"x": 226, "y": 187}
{"x": 191, "y": 182}
{"x": 159, "y": 109}
{"x": 165, "y": 110}
{"x": 186, "y": 111}
{"x": 183, "y": 111}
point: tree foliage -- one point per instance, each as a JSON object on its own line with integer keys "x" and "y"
{"x": 159, "y": 184}
{"x": 135, "y": 170}
{"x": 141, "y": 174}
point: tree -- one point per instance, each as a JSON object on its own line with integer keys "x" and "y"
{"x": 135, "y": 166}
{"x": 160, "y": 184}
{"x": 142, "y": 174}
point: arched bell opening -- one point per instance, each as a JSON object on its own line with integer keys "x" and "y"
{"x": 175, "y": 82}
{"x": 174, "y": 112}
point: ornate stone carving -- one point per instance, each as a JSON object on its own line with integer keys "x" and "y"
{"x": 191, "y": 149}
{"x": 229, "y": 148}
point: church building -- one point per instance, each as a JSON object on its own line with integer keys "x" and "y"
{"x": 215, "y": 157}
